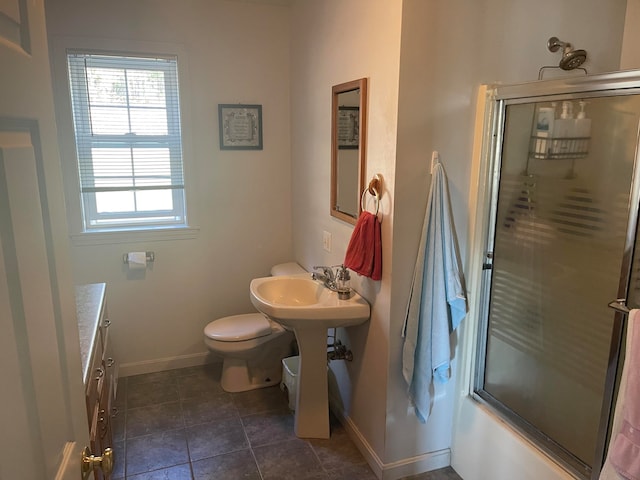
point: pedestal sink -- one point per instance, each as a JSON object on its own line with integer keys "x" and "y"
{"x": 308, "y": 308}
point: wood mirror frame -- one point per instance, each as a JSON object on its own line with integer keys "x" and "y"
{"x": 348, "y": 148}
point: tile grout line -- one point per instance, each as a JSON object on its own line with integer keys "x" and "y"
{"x": 184, "y": 429}
{"x": 253, "y": 454}
{"x": 125, "y": 407}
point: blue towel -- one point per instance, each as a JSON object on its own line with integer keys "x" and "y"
{"x": 437, "y": 301}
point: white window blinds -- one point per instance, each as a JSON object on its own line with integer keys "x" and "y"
{"x": 127, "y": 126}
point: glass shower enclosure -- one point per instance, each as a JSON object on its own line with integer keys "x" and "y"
{"x": 559, "y": 249}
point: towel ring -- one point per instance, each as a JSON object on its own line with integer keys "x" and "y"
{"x": 374, "y": 193}
{"x": 374, "y": 188}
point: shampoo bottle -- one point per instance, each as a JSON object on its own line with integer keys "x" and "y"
{"x": 564, "y": 128}
{"x": 582, "y": 129}
{"x": 582, "y": 123}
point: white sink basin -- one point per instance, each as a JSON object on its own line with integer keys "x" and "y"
{"x": 308, "y": 308}
{"x": 299, "y": 301}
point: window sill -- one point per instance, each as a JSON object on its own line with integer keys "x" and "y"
{"x": 134, "y": 236}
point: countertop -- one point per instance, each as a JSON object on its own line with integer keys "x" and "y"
{"x": 89, "y": 306}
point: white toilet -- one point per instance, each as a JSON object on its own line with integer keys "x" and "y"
{"x": 252, "y": 346}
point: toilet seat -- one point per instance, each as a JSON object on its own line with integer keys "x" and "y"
{"x": 238, "y": 328}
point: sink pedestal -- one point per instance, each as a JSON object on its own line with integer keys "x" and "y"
{"x": 312, "y": 400}
{"x": 309, "y": 308}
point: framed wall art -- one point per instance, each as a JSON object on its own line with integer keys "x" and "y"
{"x": 240, "y": 126}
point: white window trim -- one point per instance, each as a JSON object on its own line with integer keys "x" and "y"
{"x": 59, "y": 46}
{"x": 134, "y": 236}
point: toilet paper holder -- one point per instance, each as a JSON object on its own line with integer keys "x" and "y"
{"x": 149, "y": 255}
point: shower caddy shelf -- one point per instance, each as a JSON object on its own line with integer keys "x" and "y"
{"x": 558, "y": 148}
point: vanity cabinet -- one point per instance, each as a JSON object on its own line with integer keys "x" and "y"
{"x": 100, "y": 369}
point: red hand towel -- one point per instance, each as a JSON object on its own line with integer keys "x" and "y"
{"x": 364, "y": 253}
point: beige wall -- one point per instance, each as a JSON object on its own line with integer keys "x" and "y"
{"x": 335, "y": 41}
{"x": 448, "y": 50}
{"x": 630, "y": 57}
{"x": 229, "y": 52}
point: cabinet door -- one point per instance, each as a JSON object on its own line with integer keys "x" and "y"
{"x": 96, "y": 381}
{"x": 109, "y": 361}
{"x": 95, "y": 438}
{"x": 104, "y": 418}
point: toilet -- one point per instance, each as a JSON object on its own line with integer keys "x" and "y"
{"x": 252, "y": 345}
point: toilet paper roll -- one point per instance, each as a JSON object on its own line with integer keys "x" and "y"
{"x": 137, "y": 260}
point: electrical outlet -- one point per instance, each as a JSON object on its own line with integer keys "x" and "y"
{"x": 326, "y": 240}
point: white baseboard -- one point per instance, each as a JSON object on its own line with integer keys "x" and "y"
{"x": 168, "y": 363}
{"x": 395, "y": 470}
{"x": 415, "y": 465}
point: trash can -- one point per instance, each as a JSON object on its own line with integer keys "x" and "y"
{"x": 290, "y": 378}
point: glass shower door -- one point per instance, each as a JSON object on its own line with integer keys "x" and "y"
{"x": 559, "y": 239}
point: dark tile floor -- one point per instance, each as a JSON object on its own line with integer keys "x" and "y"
{"x": 181, "y": 425}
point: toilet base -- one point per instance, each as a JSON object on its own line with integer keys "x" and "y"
{"x": 236, "y": 376}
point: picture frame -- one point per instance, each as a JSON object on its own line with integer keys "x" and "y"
{"x": 240, "y": 126}
{"x": 348, "y": 127}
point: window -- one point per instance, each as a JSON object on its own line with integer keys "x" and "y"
{"x": 127, "y": 127}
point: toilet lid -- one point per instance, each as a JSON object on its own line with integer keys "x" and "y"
{"x": 237, "y": 328}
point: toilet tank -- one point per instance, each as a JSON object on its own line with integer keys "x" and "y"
{"x": 290, "y": 268}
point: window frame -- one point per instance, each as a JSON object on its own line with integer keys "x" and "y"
{"x": 85, "y": 140}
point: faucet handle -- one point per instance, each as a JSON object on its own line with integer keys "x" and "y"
{"x": 326, "y": 270}
{"x": 326, "y": 274}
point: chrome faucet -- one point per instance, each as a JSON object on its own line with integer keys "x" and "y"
{"x": 327, "y": 276}
{"x": 336, "y": 282}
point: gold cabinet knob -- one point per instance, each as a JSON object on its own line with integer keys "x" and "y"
{"x": 91, "y": 462}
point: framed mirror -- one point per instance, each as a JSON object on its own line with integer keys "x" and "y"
{"x": 348, "y": 148}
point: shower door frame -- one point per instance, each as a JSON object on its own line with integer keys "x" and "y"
{"x": 498, "y": 98}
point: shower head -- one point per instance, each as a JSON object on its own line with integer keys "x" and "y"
{"x": 571, "y": 58}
